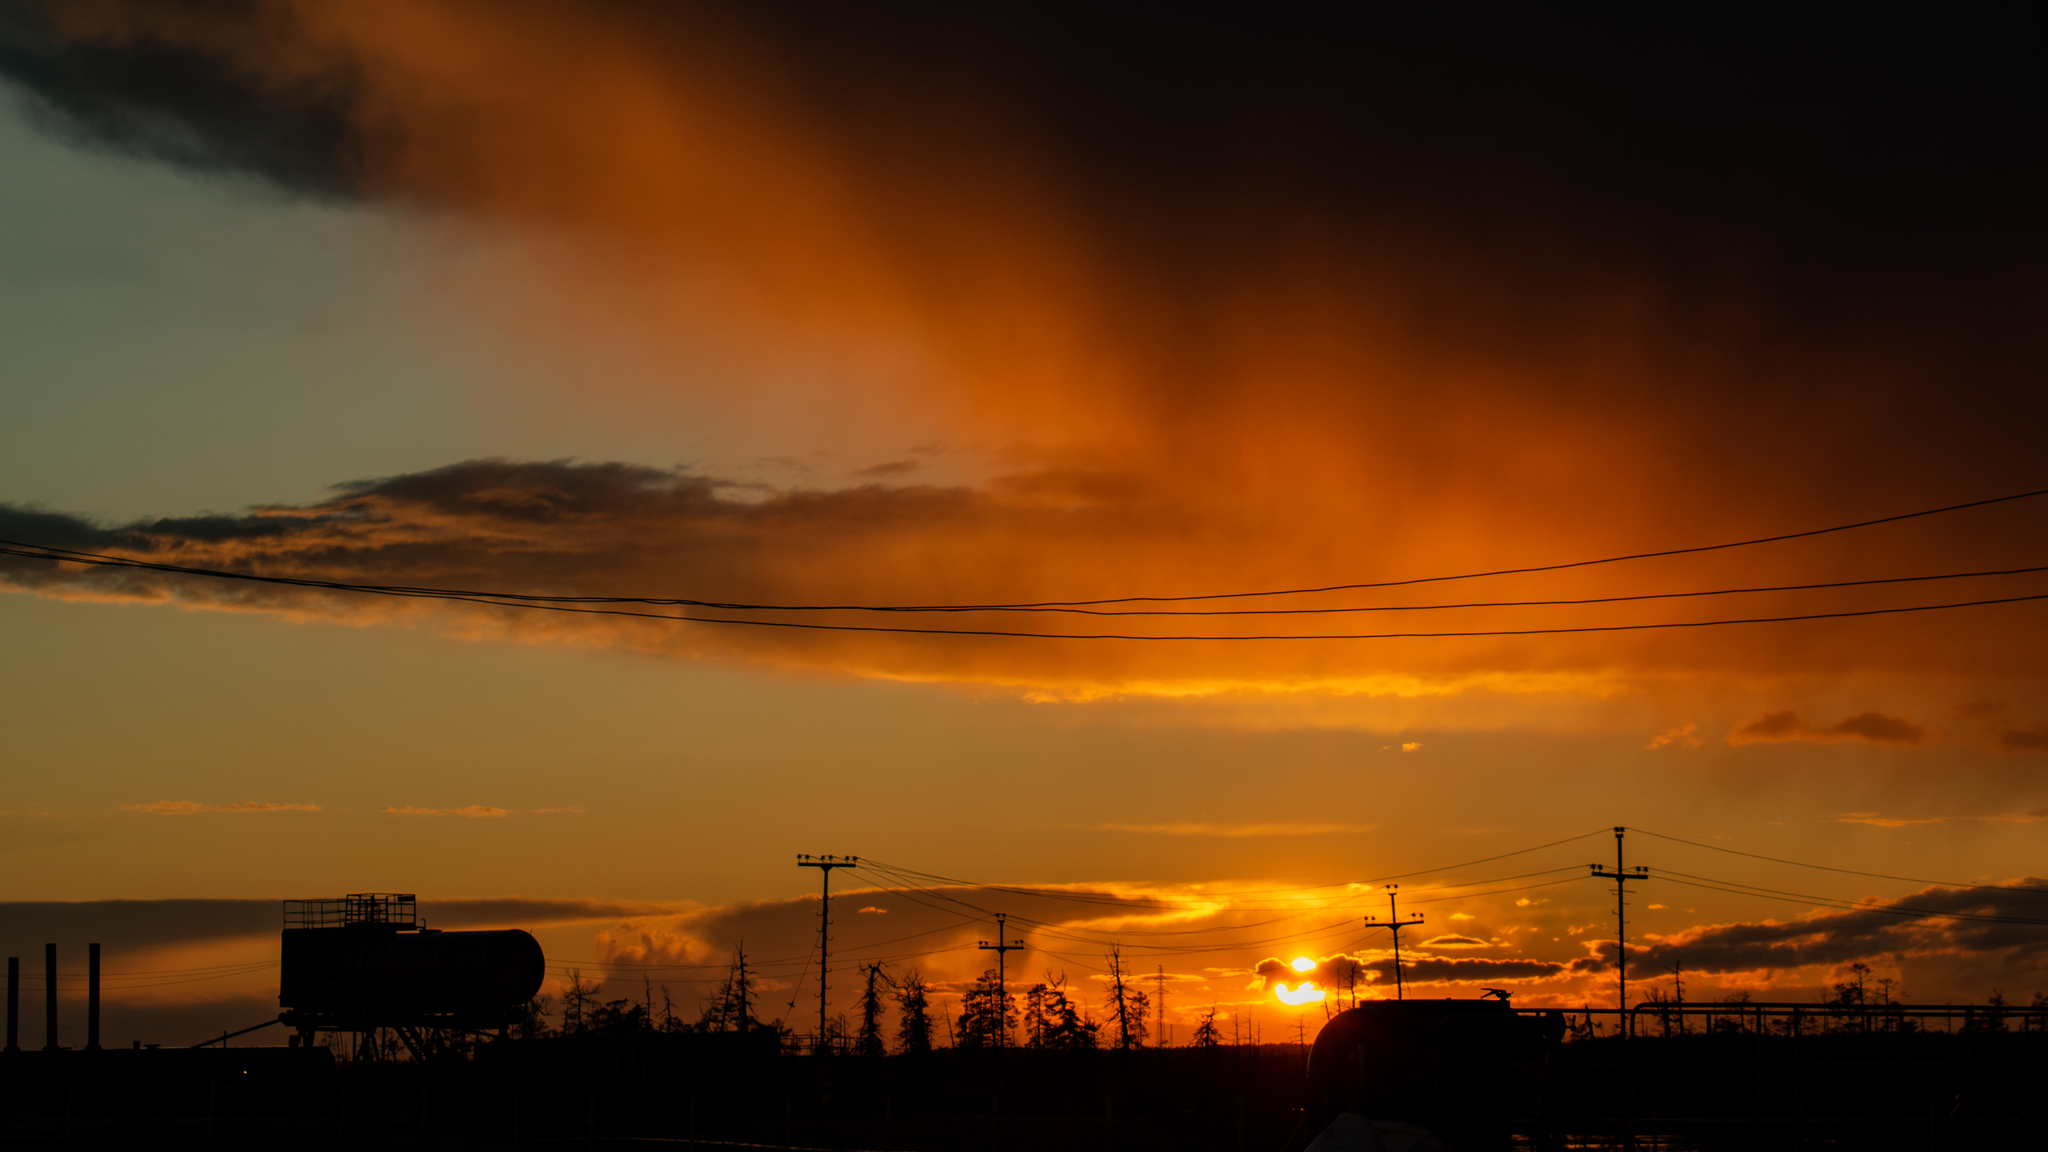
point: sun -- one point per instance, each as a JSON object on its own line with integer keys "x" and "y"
{"x": 1307, "y": 993}
{"x": 1303, "y": 964}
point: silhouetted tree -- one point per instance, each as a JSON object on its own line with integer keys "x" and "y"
{"x": 1205, "y": 1032}
{"x": 533, "y": 1024}
{"x": 1994, "y": 1020}
{"x": 1579, "y": 1028}
{"x": 1034, "y": 1015}
{"x": 869, "y": 1041}
{"x": 987, "y": 1014}
{"x": 914, "y": 1020}
{"x": 615, "y": 1016}
{"x": 575, "y": 1003}
{"x": 669, "y": 1023}
{"x": 1052, "y": 1019}
{"x": 1734, "y": 1021}
{"x": 1128, "y": 1004}
{"x": 731, "y": 1008}
{"x": 1852, "y": 991}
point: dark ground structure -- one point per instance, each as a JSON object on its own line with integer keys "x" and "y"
{"x": 365, "y": 965}
{"x": 1696, "y": 1091}
{"x": 423, "y": 1055}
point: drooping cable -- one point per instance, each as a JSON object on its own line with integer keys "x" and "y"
{"x": 508, "y": 600}
{"x": 1843, "y": 871}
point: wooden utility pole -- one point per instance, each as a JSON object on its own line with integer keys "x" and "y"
{"x": 1159, "y": 1037}
{"x": 1621, "y": 876}
{"x": 825, "y": 865}
{"x": 1394, "y": 923}
{"x": 1002, "y": 949}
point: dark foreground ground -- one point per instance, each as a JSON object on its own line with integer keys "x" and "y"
{"x": 1712, "y": 1091}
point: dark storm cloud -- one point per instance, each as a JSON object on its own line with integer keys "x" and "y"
{"x": 1335, "y": 973}
{"x": 1825, "y": 156}
{"x": 1888, "y": 155}
{"x": 1842, "y": 937}
{"x": 185, "y": 104}
{"x": 1994, "y": 720}
{"x": 1216, "y": 278}
{"x": 1466, "y": 971}
{"x": 1871, "y": 727}
{"x": 468, "y": 521}
{"x": 2034, "y": 739}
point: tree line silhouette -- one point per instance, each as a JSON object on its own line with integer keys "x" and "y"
{"x": 1049, "y": 1014}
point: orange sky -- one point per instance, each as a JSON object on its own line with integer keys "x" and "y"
{"x": 966, "y": 329}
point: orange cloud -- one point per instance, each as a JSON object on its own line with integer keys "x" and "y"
{"x": 1298, "y": 353}
{"x": 1456, "y": 942}
{"x": 1235, "y": 831}
{"x": 579, "y": 530}
{"x": 1686, "y": 736}
{"x": 471, "y": 810}
{"x": 1878, "y": 821}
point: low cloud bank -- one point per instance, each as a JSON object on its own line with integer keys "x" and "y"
{"x": 1868, "y": 727}
{"x": 146, "y": 924}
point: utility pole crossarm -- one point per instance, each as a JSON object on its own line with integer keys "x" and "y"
{"x": 1394, "y": 923}
{"x": 825, "y": 865}
{"x": 1002, "y": 948}
{"x": 1621, "y": 874}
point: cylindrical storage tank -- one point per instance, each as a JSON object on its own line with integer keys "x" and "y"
{"x": 436, "y": 972}
{"x": 366, "y": 973}
{"x": 1443, "y": 1064}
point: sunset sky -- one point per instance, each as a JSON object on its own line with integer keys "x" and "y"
{"x": 911, "y": 306}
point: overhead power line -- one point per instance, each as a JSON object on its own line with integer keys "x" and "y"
{"x": 1558, "y": 603}
{"x": 513, "y": 600}
{"x": 1843, "y": 871}
{"x": 28, "y": 550}
{"x": 1546, "y": 567}
{"x": 917, "y": 887}
{"x": 871, "y": 865}
{"x": 1903, "y": 910}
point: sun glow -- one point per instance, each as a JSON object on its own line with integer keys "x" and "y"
{"x": 1303, "y": 964}
{"x": 1307, "y": 993}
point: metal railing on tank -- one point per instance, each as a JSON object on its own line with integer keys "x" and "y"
{"x": 398, "y": 909}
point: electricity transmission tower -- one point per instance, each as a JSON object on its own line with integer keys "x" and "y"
{"x": 1002, "y": 949}
{"x": 1621, "y": 876}
{"x": 1395, "y": 924}
{"x": 825, "y": 865}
